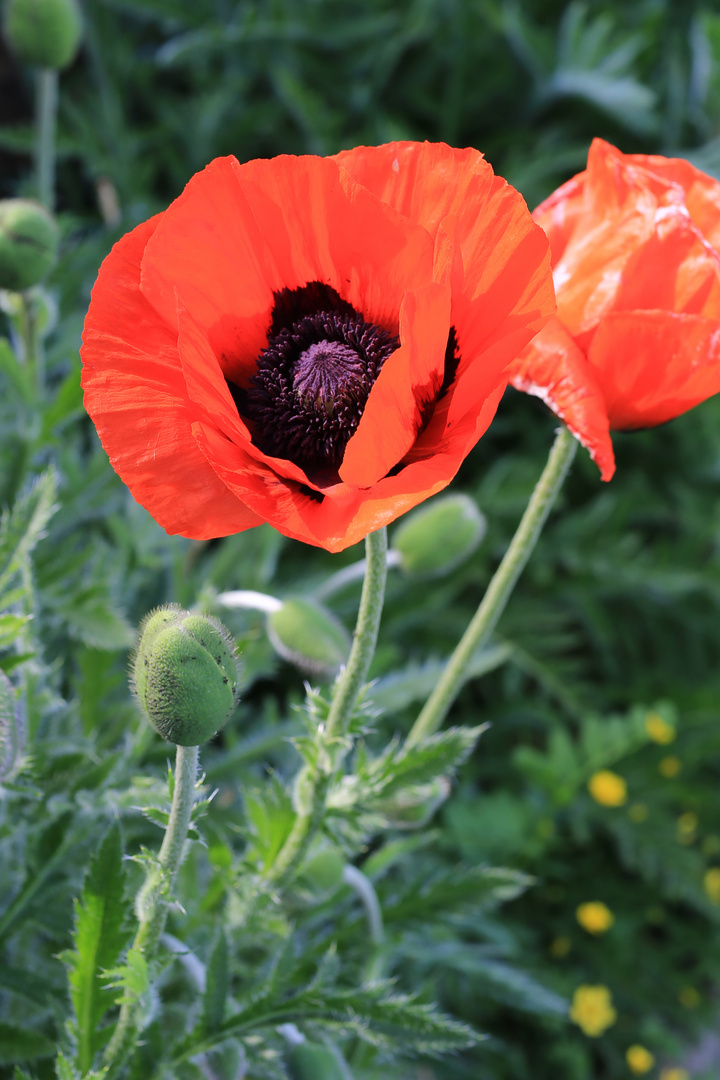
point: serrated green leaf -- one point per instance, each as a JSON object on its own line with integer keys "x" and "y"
{"x": 216, "y": 985}
{"x": 99, "y": 939}
{"x": 402, "y": 688}
{"x": 24, "y": 525}
{"x": 20, "y": 1044}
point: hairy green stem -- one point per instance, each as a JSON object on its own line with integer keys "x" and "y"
{"x": 499, "y": 590}
{"x": 152, "y": 901}
{"x": 46, "y": 113}
{"x": 313, "y": 781}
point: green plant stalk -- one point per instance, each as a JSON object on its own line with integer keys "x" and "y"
{"x": 46, "y": 119}
{"x": 32, "y": 341}
{"x": 499, "y": 590}
{"x": 152, "y": 901}
{"x": 348, "y": 686}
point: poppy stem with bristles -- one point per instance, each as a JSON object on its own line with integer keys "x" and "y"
{"x": 350, "y": 682}
{"x": 499, "y": 590}
{"x": 152, "y": 901}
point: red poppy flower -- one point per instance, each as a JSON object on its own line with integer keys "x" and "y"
{"x": 636, "y": 338}
{"x": 312, "y": 342}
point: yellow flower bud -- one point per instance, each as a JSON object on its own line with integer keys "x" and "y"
{"x": 592, "y": 1009}
{"x": 658, "y": 729}
{"x": 711, "y": 884}
{"x": 639, "y": 1059}
{"x": 607, "y": 788}
{"x": 595, "y": 917}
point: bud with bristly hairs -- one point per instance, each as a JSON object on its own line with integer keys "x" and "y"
{"x": 185, "y": 674}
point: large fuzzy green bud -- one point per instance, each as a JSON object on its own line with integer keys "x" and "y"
{"x": 308, "y": 635}
{"x": 185, "y": 674}
{"x": 439, "y": 535}
{"x": 44, "y": 33}
{"x": 29, "y": 241}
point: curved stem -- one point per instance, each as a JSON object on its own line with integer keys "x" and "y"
{"x": 498, "y": 593}
{"x": 152, "y": 901}
{"x": 314, "y": 781}
{"x": 46, "y": 112}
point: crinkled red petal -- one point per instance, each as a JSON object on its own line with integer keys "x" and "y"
{"x": 655, "y": 365}
{"x": 136, "y": 396}
{"x": 554, "y": 369}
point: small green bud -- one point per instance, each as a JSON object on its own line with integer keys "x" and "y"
{"x": 439, "y": 535}
{"x": 413, "y": 807}
{"x": 185, "y": 674}
{"x": 309, "y": 636}
{"x": 29, "y": 241}
{"x": 322, "y": 873}
{"x": 44, "y": 33}
{"x": 11, "y": 739}
{"x": 313, "y": 1061}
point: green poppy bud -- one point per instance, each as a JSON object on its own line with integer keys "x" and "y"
{"x": 413, "y": 807}
{"x": 312, "y": 1061}
{"x": 185, "y": 674}
{"x": 29, "y": 241}
{"x": 44, "y": 33}
{"x": 321, "y": 874}
{"x": 10, "y": 729}
{"x": 439, "y": 535}
{"x": 309, "y": 636}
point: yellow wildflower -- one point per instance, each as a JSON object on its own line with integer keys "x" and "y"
{"x": 687, "y": 827}
{"x": 689, "y": 997}
{"x": 711, "y": 884}
{"x": 658, "y": 729}
{"x": 674, "y": 1074}
{"x": 669, "y": 767}
{"x": 592, "y": 1009}
{"x": 595, "y": 917}
{"x": 560, "y": 947}
{"x": 607, "y": 788}
{"x": 638, "y": 812}
{"x": 639, "y": 1059}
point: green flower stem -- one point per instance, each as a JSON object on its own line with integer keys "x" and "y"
{"x": 46, "y": 113}
{"x": 313, "y": 781}
{"x": 32, "y": 342}
{"x": 152, "y": 901}
{"x": 498, "y": 593}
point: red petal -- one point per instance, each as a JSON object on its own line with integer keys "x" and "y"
{"x": 408, "y": 383}
{"x": 702, "y": 192}
{"x": 135, "y": 394}
{"x": 554, "y": 369}
{"x": 238, "y": 233}
{"x": 655, "y": 365}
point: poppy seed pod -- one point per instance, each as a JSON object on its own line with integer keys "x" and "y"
{"x": 439, "y": 536}
{"x": 29, "y": 241}
{"x": 185, "y": 675}
{"x": 44, "y": 33}
{"x": 309, "y": 636}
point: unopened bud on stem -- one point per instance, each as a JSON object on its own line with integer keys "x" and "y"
{"x": 185, "y": 674}
{"x": 29, "y": 241}
{"x": 439, "y": 535}
{"x": 44, "y": 33}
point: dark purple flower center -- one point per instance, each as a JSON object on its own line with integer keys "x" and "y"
{"x": 312, "y": 380}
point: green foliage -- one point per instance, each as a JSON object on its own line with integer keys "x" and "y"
{"x": 99, "y": 938}
{"x": 619, "y": 606}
